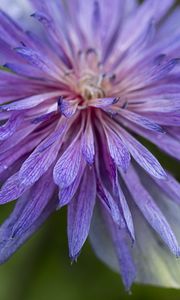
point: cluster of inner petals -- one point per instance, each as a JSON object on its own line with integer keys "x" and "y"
{"x": 89, "y": 82}
{"x": 91, "y": 87}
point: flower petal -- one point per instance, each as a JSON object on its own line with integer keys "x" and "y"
{"x": 68, "y": 165}
{"x": 10, "y": 126}
{"x": 9, "y": 243}
{"x": 111, "y": 246}
{"x": 80, "y": 212}
{"x": 155, "y": 265}
{"x": 43, "y": 156}
{"x": 88, "y": 147}
{"x": 150, "y": 210}
{"x": 66, "y": 194}
{"x": 143, "y": 156}
{"x": 38, "y": 198}
{"x": 118, "y": 150}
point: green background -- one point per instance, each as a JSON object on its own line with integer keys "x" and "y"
{"x": 41, "y": 269}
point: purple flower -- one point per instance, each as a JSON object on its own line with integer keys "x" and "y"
{"x": 75, "y": 98}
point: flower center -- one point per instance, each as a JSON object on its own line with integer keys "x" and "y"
{"x": 91, "y": 86}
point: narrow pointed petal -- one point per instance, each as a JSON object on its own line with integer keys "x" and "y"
{"x": 67, "y": 194}
{"x": 102, "y": 102}
{"x": 67, "y": 167}
{"x": 29, "y": 102}
{"x": 9, "y": 243}
{"x": 10, "y": 126}
{"x": 38, "y": 198}
{"x": 141, "y": 121}
{"x": 144, "y": 158}
{"x": 80, "y": 212}
{"x": 42, "y": 158}
{"x": 118, "y": 150}
{"x": 125, "y": 211}
{"x": 88, "y": 147}
{"x": 151, "y": 211}
{"x": 110, "y": 204}
{"x": 112, "y": 247}
{"x": 171, "y": 188}
{"x": 126, "y": 263}
{"x": 11, "y": 189}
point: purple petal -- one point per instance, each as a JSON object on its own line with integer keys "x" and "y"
{"x": 150, "y": 210}
{"x": 9, "y": 243}
{"x": 80, "y": 212}
{"x": 110, "y": 204}
{"x": 125, "y": 211}
{"x": 24, "y": 70}
{"x": 143, "y": 156}
{"x": 66, "y": 194}
{"x": 37, "y": 60}
{"x": 118, "y": 150}
{"x": 67, "y": 107}
{"x": 11, "y": 126}
{"x": 88, "y": 149}
{"x": 112, "y": 246}
{"x": 141, "y": 121}
{"x": 102, "y": 102}
{"x": 126, "y": 263}
{"x": 43, "y": 156}
{"x": 67, "y": 167}
{"x": 38, "y": 198}
{"x": 29, "y": 102}
{"x": 171, "y": 188}
{"x": 11, "y": 189}
{"x": 96, "y": 16}
{"x": 165, "y": 142}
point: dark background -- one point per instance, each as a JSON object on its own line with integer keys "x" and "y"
{"x": 41, "y": 269}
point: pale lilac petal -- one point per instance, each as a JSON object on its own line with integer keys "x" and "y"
{"x": 171, "y": 188}
{"x": 155, "y": 264}
{"x": 112, "y": 247}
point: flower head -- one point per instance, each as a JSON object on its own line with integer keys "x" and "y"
{"x": 74, "y": 101}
